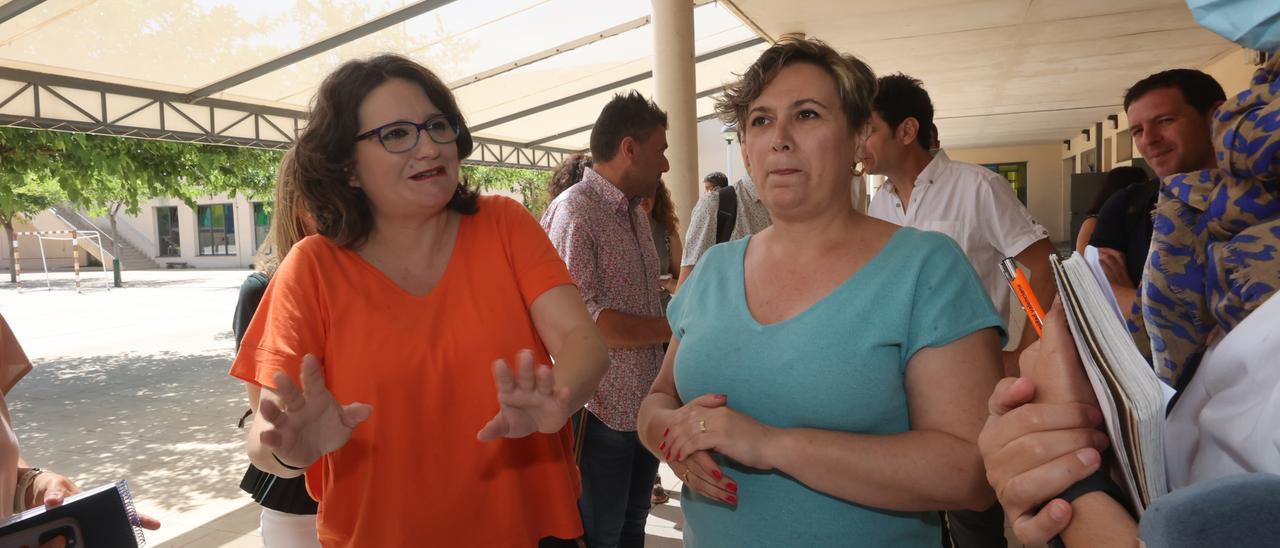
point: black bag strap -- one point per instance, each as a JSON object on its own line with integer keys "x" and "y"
{"x": 727, "y": 216}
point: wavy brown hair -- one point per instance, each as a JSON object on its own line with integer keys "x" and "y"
{"x": 326, "y": 150}
{"x": 855, "y": 81}
{"x": 568, "y": 173}
{"x": 664, "y": 210}
{"x": 287, "y": 224}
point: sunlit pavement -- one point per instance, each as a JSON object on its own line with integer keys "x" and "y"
{"x": 132, "y": 384}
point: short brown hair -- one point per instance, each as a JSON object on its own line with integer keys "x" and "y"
{"x": 326, "y": 150}
{"x": 855, "y": 81}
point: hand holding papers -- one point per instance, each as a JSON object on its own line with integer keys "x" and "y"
{"x": 1126, "y": 387}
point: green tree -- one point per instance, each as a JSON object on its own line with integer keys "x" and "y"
{"x": 110, "y": 175}
{"x": 26, "y": 183}
{"x": 530, "y": 184}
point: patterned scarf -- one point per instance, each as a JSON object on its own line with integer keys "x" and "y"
{"x": 1215, "y": 251}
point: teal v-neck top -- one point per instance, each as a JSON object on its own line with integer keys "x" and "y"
{"x": 839, "y": 365}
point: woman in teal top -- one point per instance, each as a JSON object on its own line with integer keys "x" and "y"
{"x": 827, "y": 378}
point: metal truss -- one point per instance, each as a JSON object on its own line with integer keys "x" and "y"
{"x": 37, "y": 100}
{"x": 492, "y": 152}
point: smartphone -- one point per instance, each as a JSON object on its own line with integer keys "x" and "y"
{"x": 47, "y": 534}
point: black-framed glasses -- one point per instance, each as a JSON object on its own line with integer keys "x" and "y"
{"x": 398, "y": 137}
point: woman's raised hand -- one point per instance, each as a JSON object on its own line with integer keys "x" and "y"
{"x": 528, "y": 401}
{"x": 303, "y": 424}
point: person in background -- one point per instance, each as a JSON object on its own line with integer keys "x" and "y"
{"x": 567, "y": 174}
{"x": 1117, "y": 179}
{"x": 1169, "y": 117}
{"x": 1208, "y": 301}
{"x": 714, "y": 181}
{"x": 825, "y": 378}
{"x": 382, "y": 343}
{"x": 288, "y": 517}
{"x": 666, "y": 240}
{"x": 605, "y": 241}
{"x": 724, "y": 215}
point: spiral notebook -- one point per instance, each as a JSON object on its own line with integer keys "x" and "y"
{"x": 1128, "y": 390}
{"x": 102, "y": 517}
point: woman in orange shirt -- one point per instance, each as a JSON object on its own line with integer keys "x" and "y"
{"x": 407, "y": 429}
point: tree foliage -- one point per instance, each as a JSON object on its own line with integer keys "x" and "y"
{"x": 530, "y": 184}
{"x": 107, "y": 175}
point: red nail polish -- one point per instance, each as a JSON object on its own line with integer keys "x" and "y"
{"x": 667, "y": 455}
{"x": 716, "y": 474}
{"x": 665, "y": 432}
{"x": 732, "y": 499}
{"x": 732, "y": 487}
{"x": 662, "y": 446}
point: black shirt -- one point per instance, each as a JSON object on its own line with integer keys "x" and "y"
{"x": 287, "y": 495}
{"x": 1124, "y": 224}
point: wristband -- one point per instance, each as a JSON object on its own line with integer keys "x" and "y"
{"x": 20, "y": 489}
{"x": 282, "y": 463}
{"x": 1097, "y": 481}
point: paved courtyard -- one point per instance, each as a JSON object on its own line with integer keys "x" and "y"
{"x": 132, "y": 384}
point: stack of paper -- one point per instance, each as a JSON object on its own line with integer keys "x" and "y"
{"x": 1127, "y": 388}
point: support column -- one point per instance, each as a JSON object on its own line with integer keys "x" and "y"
{"x": 674, "y": 92}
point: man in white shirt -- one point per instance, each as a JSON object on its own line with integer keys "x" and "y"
{"x": 976, "y": 208}
{"x": 972, "y": 204}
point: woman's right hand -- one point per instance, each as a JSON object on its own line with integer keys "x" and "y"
{"x": 698, "y": 469}
{"x": 305, "y": 424}
{"x": 700, "y": 472}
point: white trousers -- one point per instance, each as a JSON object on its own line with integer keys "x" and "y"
{"x": 284, "y": 530}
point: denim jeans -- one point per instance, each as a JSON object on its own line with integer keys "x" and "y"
{"x": 617, "y": 481}
{"x": 1241, "y": 510}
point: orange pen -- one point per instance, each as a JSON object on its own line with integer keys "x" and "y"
{"x": 1026, "y": 297}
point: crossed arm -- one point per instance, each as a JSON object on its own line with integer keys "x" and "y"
{"x": 935, "y": 465}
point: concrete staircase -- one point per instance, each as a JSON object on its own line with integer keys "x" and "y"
{"x": 130, "y": 259}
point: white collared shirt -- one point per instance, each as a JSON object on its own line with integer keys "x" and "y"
{"x": 976, "y": 207}
{"x": 1227, "y": 420}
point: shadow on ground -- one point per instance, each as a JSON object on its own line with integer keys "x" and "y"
{"x": 165, "y": 422}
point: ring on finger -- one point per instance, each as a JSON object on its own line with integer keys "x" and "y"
{"x": 686, "y": 475}
{"x": 702, "y": 426}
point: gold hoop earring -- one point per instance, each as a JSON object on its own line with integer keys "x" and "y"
{"x": 857, "y": 169}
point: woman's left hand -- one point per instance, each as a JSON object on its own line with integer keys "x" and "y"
{"x": 51, "y": 489}
{"x": 529, "y": 401}
{"x": 718, "y": 428}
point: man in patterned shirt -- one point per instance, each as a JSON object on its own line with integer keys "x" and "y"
{"x": 606, "y": 242}
{"x": 751, "y": 218}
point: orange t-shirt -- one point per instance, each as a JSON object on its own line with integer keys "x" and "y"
{"x": 414, "y": 473}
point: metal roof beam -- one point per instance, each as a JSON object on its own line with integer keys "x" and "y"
{"x": 399, "y": 16}
{"x": 45, "y": 79}
{"x": 610, "y": 86}
{"x": 15, "y": 8}
{"x": 578, "y": 130}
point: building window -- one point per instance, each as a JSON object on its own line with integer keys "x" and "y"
{"x": 167, "y": 231}
{"x": 1016, "y": 174}
{"x": 261, "y": 223}
{"x": 217, "y": 229}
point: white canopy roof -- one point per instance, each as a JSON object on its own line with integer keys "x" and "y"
{"x": 531, "y": 75}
